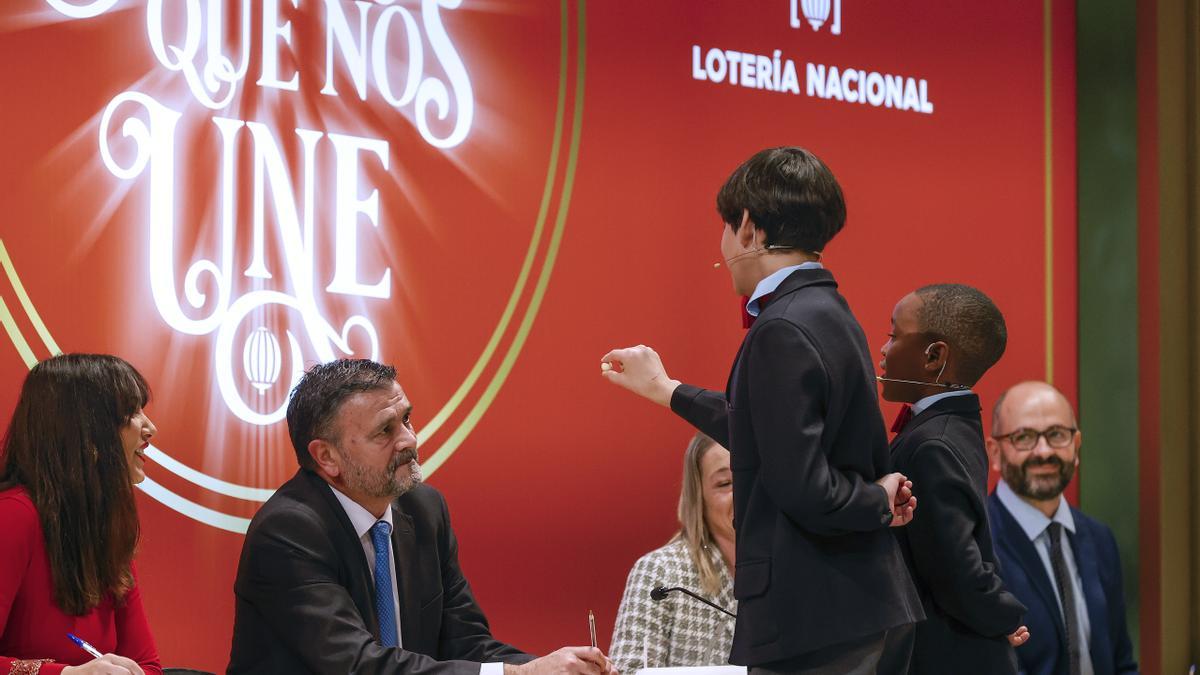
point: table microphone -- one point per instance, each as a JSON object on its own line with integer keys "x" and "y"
{"x": 662, "y": 591}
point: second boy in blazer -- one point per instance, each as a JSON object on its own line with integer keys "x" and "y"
{"x": 943, "y": 339}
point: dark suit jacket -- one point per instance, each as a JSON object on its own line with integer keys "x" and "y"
{"x": 305, "y": 596}
{"x": 948, "y": 545}
{"x": 816, "y": 565}
{"x": 1099, "y": 565}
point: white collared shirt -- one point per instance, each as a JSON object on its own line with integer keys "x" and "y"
{"x": 363, "y": 520}
{"x": 1036, "y": 526}
{"x": 923, "y": 405}
{"x": 772, "y": 281}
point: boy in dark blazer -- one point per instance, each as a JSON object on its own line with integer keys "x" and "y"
{"x": 820, "y": 582}
{"x": 943, "y": 339}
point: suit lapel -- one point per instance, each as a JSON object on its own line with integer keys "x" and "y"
{"x": 1021, "y": 549}
{"x": 733, "y": 372}
{"x": 1084, "y": 548}
{"x": 404, "y": 545}
{"x": 901, "y": 439}
{"x": 955, "y": 405}
{"x": 361, "y": 585}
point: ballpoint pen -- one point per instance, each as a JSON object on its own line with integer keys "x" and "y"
{"x": 592, "y": 626}
{"x": 83, "y": 644}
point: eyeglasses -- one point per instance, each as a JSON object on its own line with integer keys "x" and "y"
{"x": 1027, "y": 439}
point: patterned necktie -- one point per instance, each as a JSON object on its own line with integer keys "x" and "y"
{"x": 1066, "y": 592}
{"x": 385, "y": 607}
{"x": 902, "y": 418}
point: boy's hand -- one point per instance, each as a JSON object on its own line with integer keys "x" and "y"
{"x": 900, "y": 495}
{"x": 639, "y": 370}
{"x": 1019, "y": 637}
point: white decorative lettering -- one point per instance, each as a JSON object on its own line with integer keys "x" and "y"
{"x": 273, "y": 32}
{"x": 349, "y": 207}
{"x": 353, "y": 53}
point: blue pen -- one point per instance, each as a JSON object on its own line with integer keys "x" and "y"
{"x": 83, "y": 644}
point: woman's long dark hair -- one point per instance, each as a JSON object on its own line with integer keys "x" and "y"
{"x": 63, "y": 446}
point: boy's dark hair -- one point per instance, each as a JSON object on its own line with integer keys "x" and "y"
{"x": 790, "y": 195}
{"x": 969, "y": 321}
{"x": 318, "y": 395}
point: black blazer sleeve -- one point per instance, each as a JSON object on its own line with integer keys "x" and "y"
{"x": 704, "y": 409}
{"x": 969, "y": 589}
{"x": 789, "y": 396}
{"x": 291, "y": 581}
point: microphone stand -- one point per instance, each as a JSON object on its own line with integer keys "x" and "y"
{"x": 662, "y": 591}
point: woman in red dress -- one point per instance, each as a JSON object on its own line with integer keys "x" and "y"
{"x": 68, "y": 521}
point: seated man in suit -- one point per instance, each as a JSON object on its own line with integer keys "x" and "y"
{"x": 1042, "y": 542}
{"x": 943, "y": 339}
{"x": 352, "y": 565}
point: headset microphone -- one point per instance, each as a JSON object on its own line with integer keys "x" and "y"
{"x": 772, "y": 247}
{"x": 945, "y": 385}
{"x": 742, "y": 255}
{"x": 936, "y": 382}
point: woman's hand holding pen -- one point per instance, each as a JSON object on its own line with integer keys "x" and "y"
{"x": 109, "y": 664}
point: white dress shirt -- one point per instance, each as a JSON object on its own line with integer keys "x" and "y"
{"x": 1036, "y": 525}
{"x": 363, "y": 520}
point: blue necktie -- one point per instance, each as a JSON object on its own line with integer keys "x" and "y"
{"x": 385, "y": 608}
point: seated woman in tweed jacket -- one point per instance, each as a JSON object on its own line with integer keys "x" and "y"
{"x": 678, "y": 630}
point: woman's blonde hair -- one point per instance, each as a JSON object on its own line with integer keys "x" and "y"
{"x": 693, "y": 531}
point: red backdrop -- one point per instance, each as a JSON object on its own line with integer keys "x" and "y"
{"x": 560, "y": 204}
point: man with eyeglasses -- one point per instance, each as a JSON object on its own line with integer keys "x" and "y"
{"x": 1063, "y": 565}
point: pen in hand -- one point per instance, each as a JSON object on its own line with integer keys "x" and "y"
{"x": 83, "y": 644}
{"x": 592, "y": 627}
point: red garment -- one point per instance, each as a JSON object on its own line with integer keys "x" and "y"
{"x": 902, "y": 418}
{"x": 33, "y": 627}
{"x": 748, "y": 319}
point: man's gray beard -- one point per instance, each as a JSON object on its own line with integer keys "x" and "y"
{"x": 414, "y": 477}
{"x": 380, "y": 485}
{"x": 1037, "y": 488}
